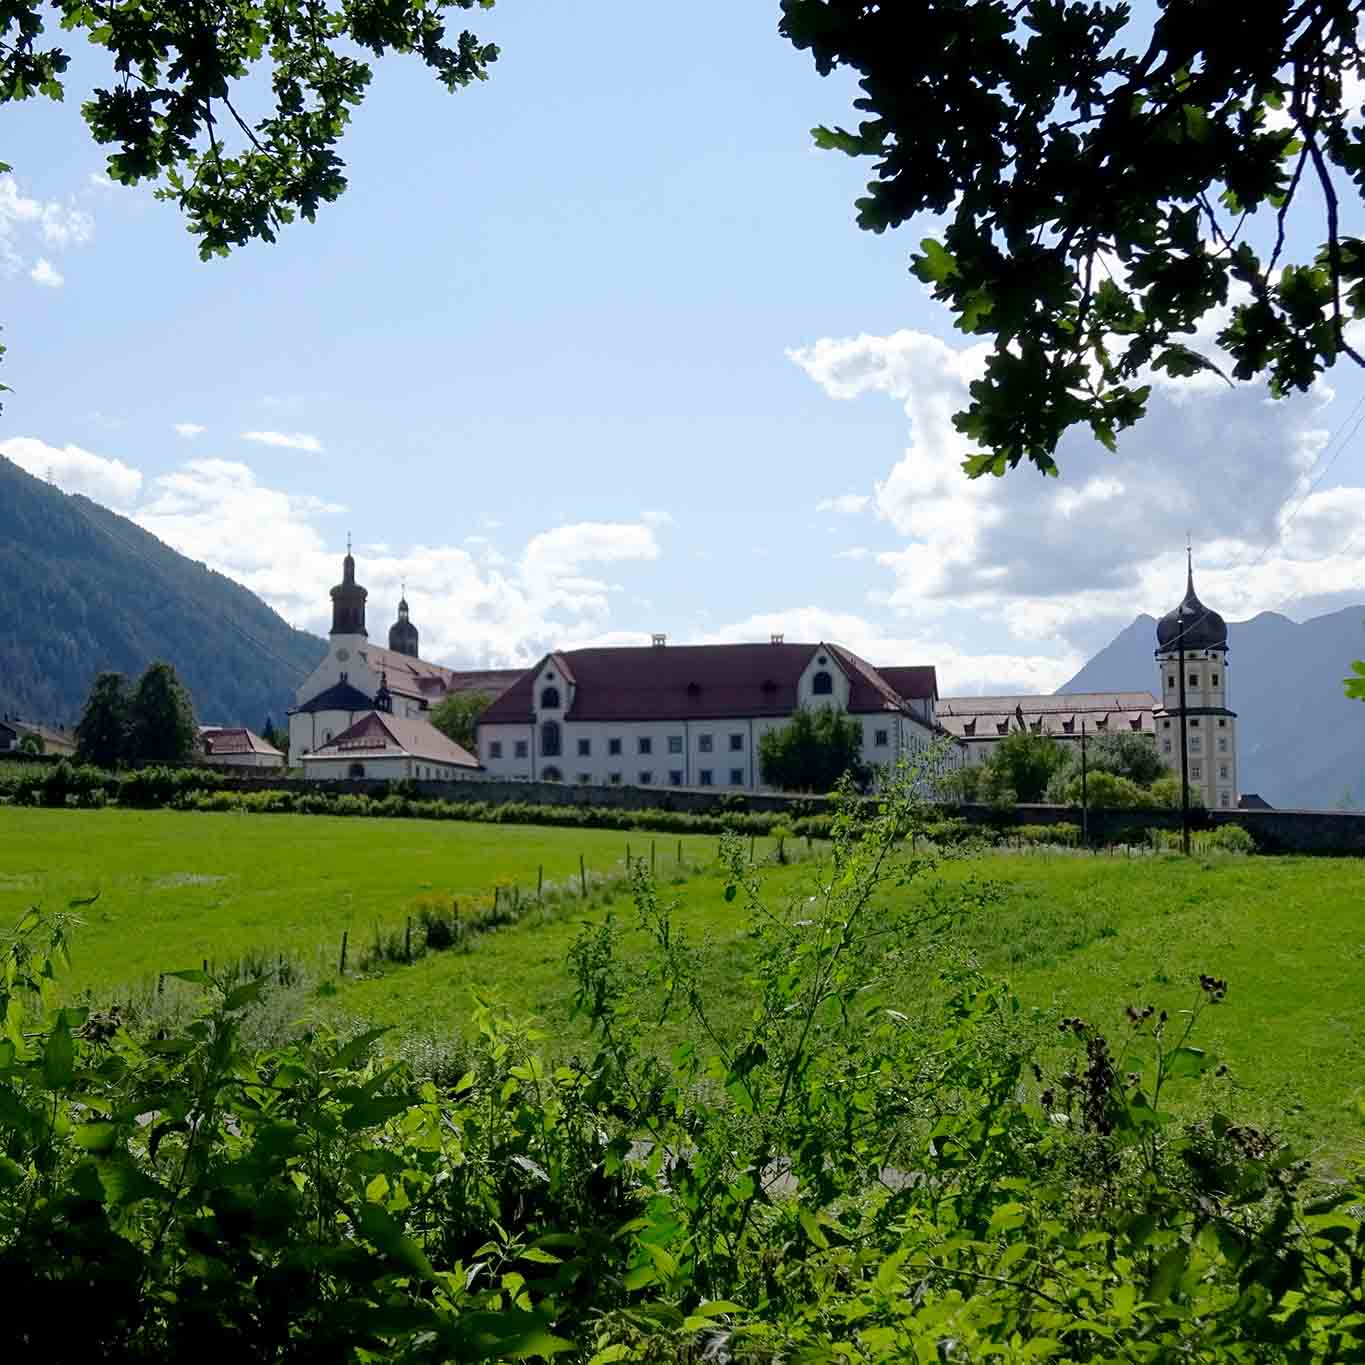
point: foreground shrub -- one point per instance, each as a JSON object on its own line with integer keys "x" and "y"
{"x": 816, "y": 1177}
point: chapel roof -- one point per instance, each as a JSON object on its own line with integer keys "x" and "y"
{"x": 220, "y": 740}
{"x": 378, "y": 735}
{"x": 341, "y": 696}
{"x": 1191, "y": 624}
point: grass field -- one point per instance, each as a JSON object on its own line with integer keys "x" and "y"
{"x": 1080, "y": 935}
{"x": 1073, "y": 933}
{"x": 177, "y": 887}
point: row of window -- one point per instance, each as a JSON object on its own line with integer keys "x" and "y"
{"x": 1196, "y": 745}
{"x": 1193, "y": 680}
{"x": 550, "y": 744}
{"x": 705, "y": 778}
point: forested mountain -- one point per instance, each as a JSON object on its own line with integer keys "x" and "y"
{"x": 83, "y": 589}
{"x": 1301, "y": 740}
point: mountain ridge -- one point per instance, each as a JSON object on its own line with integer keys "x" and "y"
{"x": 88, "y": 590}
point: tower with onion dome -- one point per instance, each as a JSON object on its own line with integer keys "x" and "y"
{"x": 1194, "y": 724}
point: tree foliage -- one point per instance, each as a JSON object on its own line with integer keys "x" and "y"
{"x": 457, "y": 717}
{"x": 103, "y": 734}
{"x": 186, "y": 80}
{"x": 1098, "y": 186}
{"x": 813, "y": 751}
{"x": 1024, "y": 763}
{"x": 162, "y": 727}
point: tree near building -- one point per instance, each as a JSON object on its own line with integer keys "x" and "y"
{"x": 103, "y": 735}
{"x": 172, "y": 108}
{"x": 457, "y": 716}
{"x": 1024, "y": 763}
{"x": 32, "y": 744}
{"x": 813, "y": 751}
{"x": 162, "y": 724}
{"x": 1129, "y": 755}
{"x": 1102, "y": 183}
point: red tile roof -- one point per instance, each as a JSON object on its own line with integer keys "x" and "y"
{"x": 380, "y": 735}
{"x": 219, "y": 741}
{"x": 1057, "y": 714}
{"x": 409, "y": 677}
{"x": 703, "y": 682}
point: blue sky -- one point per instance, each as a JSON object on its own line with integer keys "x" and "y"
{"x": 596, "y": 349}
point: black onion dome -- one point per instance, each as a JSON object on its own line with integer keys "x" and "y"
{"x": 1192, "y": 624}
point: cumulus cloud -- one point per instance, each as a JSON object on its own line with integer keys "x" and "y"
{"x": 845, "y": 505}
{"x": 189, "y": 430}
{"x": 24, "y": 220}
{"x": 285, "y": 440}
{"x": 961, "y": 672}
{"x": 45, "y": 273}
{"x": 74, "y": 470}
{"x": 1066, "y": 562}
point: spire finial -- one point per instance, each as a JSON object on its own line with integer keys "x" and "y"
{"x": 348, "y": 542}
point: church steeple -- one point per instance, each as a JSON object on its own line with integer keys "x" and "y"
{"x": 403, "y": 634}
{"x": 348, "y": 600}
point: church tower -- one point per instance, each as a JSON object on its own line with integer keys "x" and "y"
{"x": 403, "y": 634}
{"x": 1192, "y": 656}
{"x": 348, "y": 605}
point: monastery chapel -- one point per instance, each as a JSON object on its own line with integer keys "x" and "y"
{"x": 693, "y": 715}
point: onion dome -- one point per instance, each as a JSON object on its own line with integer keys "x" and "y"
{"x": 403, "y": 634}
{"x": 1191, "y": 625}
{"x": 348, "y": 601}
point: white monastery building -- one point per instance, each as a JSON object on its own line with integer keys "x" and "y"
{"x": 693, "y": 715}
{"x": 1192, "y": 664}
{"x": 358, "y": 680}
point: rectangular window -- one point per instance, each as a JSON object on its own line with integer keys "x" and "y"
{"x": 675, "y": 777}
{"x": 584, "y": 748}
{"x": 1223, "y": 771}
{"x": 881, "y": 738}
{"x": 613, "y": 746}
{"x": 522, "y": 748}
{"x": 1165, "y": 725}
{"x": 1222, "y": 725}
{"x": 704, "y": 743}
{"x": 1222, "y": 744}
{"x": 1194, "y": 744}
{"x": 646, "y": 778}
{"x": 736, "y": 777}
{"x": 675, "y": 744}
{"x": 706, "y": 777}
{"x": 1165, "y": 746}
{"x": 584, "y": 779}
{"x": 1196, "y": 771}
{"x": 495, "y": 748}
{"x": 646, "y": 745}
{"x": 736, "y": 744}
{"x": 614, "y": 779}
{"x": 1213, "y": 679}
{"x": 1170, "y": 680}
{"x": 1224, "y": 799}
{"x": 1194, "y": 679}
{"x": 1194, "y": 724}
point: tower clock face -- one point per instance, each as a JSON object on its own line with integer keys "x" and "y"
{"x": 343, "y": 654}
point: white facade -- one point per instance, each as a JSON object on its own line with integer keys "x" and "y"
{"x": 716, "y": 752}
{"x": 1210, "y": 724}
{"x": 382, "y": 767}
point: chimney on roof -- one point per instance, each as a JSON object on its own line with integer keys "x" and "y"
{"x": 777, "y": 639}
{"x": 660, "y": 640}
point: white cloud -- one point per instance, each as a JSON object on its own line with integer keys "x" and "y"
{"x": 189, "y": 430}
{"x": 24, "y": 219}
{"x": 74, "y": 470}
{"x": 845, "y": 505}
{"x": 45, "y": 273}
{"x": 1066, "y": 562}
{"x": 286, "y": 440}
{"x": 960, "y": 672}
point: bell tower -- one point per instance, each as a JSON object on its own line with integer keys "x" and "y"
{"x": 1195, "y": 727}
{"x": 348, "y": 600}
{"x": 403, "y": 634}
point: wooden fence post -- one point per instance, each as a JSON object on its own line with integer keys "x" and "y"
{"x": 540, "y": 883}
{"x": 582, "y": 877}
{"x": 345, "y": 934}
{"x": 651, "y": 857}
{"x": 407, "y": 941}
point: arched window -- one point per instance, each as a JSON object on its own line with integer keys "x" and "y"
{"x": 552, "y": 774}
{"x": 549, "y": 739}
{"x": 822, "y": 685}
{"x": 549, "y": 699}
{"x": 356, "y": 770}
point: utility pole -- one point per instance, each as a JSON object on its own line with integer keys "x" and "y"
{"x": 1085, "y": 794}
{"x": 1184, "y": 748}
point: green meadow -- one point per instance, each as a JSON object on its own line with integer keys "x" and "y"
{"x": 1074, "y": 934}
